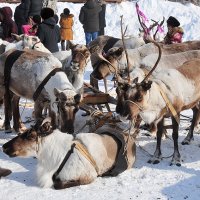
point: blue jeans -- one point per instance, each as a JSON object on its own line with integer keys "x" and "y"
{"x": 89, "y": 36}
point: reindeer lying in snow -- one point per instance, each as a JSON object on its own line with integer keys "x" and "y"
{"x": 27, "y": 75}
{"x": 93, "y": 154}
{"x": 180, "y": 86}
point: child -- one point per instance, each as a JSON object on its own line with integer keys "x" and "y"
{"x": 31, "y": 28}
{"x": 66, "y": 23}
{"x": 7, "y": 24}
{"x": 175, "y": 32}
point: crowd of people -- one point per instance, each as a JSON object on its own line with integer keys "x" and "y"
{"x": 31, "y": 18}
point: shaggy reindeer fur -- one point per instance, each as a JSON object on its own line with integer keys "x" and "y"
{"x": 54, "y": 145}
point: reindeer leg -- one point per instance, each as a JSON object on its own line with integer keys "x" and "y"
{"x": 17, "y": 122}
{"x": 157, "y": 154}
{"x": 105, "y": 85}
{"x": 189, "y": 136}
{"x": 94, "y": 82}
{"x": 7, "y": 111}
{"x": 176, "y": 159}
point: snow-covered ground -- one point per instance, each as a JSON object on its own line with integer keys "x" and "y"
{"x": 144, "y": 181}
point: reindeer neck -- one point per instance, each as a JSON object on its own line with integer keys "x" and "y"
{"x": 53, "y": 148}
{"x": 155, "y": 104}
{"x": 78, "y": 80}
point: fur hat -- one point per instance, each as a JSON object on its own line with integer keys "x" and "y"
{"x": 172, "y": 21}
{"x": 37, "y": 19}
{"x": 66, "y": 11}
{"x": 47, "y": 13}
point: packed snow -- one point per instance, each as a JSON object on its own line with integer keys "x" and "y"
{"x": 143, "y": 181}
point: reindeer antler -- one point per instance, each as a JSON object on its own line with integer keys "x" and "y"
{"x": 126, "y": 53}
{"x": 157, "y": 61}
{"x": 144, "y": 27}
{"x": 161, "y": 23}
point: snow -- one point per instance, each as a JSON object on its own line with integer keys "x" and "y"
{"x": 143, "y": 181}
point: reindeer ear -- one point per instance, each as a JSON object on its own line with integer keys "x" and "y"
{"x": 119, "y": 51}
{"x": 71, "y": 45}
{"x": 56, "y": 92}
{"x": 146, "y": 85}
{"x": 77, "y": 98}
{"x": 135, "y": 80}
{"x": 17, "y": 37}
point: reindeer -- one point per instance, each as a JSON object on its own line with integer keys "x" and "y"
{"x": 80, "y": 160}
{"x": 34, "y": 66}
{"x": 150, "y": 100}
{"x": 117, "y": 58}
{"x": 73, "y": 62}
{"x": 102, "y": 44}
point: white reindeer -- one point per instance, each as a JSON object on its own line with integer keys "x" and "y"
{"x": 92, "y": 154}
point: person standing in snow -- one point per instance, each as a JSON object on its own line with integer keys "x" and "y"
{"x": 102, "y": 18}
{"x": 49, "y": 31}
{"x": 175, "y": 32}
{"x": 89, "y": 17}
{"x": 66, "y": 32}
{"x": 26, "y": 9}
{"x": 7, "y": 24}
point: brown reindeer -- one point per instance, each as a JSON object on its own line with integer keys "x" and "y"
{"x": 150, "y": 99}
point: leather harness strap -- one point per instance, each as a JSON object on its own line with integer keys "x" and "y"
{"x": 82, "y": 149}
{"x": 44, "y": 82}
{"x": 10, "y": 60}
{"x": 169, "y": 105}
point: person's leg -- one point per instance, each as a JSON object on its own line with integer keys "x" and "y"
{"x": 67, "y": 45}
{"x": 95, "y": 35}
{"x": 63, "y": 45}
{"x": 88, "y": 37}
{"x": 101, "y": 31}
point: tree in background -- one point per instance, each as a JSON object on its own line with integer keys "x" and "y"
{"x": 50, "y": 4}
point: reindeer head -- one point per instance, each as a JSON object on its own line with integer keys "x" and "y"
{"x": 31, "y": 42}
{"x": 27, "y": 143}
{"x": 68, "y": 105}
{"x": 136, "y": 97}
{"x": 105, "y": 66}
{"x": 80, "y": 57}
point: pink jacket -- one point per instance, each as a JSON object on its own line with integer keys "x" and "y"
{"x": 26, "y": 29}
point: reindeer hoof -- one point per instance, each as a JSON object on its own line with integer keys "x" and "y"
{"x": 8, "y": 130}
{"x": 186, "y": 141}
{"x": 154, "y": 161}
{"x": 176, "y": 162}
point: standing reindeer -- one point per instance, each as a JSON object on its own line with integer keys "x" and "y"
{"x": 167, "y": 93}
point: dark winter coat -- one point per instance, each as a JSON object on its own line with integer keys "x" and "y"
{"x": 8, "y": 25}
{"x": 102, "y": 20}
{"x": 89, "y": 16}
{"x": 26, "y": 9}
{"x": 49, "y": 34}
